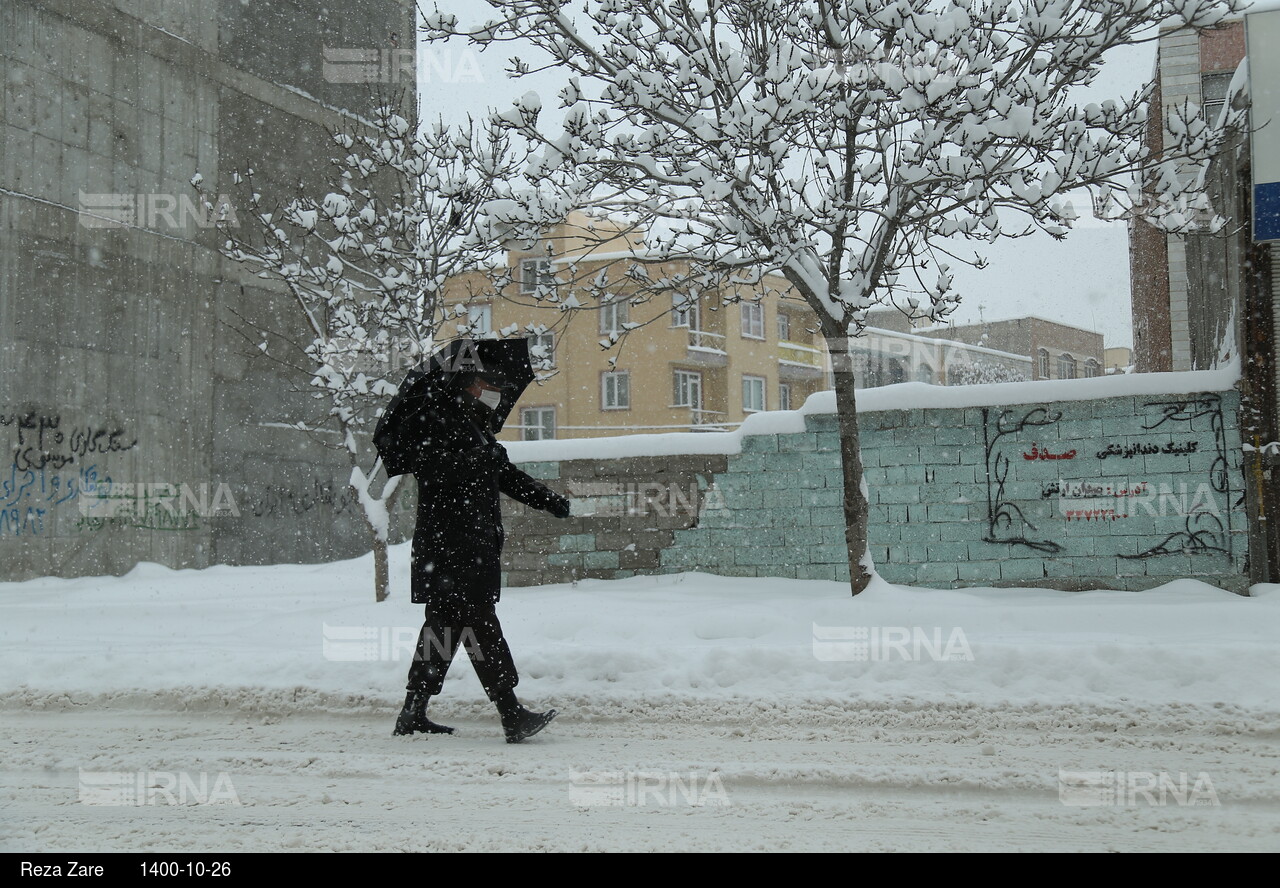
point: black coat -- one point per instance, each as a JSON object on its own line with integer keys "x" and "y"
{"x": 461, "y": 469}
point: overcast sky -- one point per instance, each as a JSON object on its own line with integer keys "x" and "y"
{"x": 1082, "y": 281}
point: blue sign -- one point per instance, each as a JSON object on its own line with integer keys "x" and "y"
{"x": 1266, "y": 211}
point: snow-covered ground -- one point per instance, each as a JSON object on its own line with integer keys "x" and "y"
{"x": 250, "y": 708}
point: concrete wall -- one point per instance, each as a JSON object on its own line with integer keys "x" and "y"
{"x": 1121, "y": 492}
{"x": 120, "y": 356}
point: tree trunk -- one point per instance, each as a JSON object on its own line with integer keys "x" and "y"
{"x": 381, "y": 569}
{"x": 856, "y": 509}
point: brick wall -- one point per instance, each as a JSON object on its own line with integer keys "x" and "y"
{"x": 1121, "y": 492}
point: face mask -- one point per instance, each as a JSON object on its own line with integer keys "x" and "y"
{"x": 490, "y": 399}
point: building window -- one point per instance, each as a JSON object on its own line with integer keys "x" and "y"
{"x": 615, "y": 390}
{"x": 614, "y": 315}
{"x": 480, "y": 318}
{"x": 685, "y": 313}
{"x": 688, "y": 389}
{"x": 1091, "y": 369}
{"x": 535, "y": 273}
{"x": 1042, "y": 358}
{"x": 542, "y": 349}
{"x": 784, "y": 327}
{"x": 784, "y": 396}
{"x": 753, "y": 320}
{"x": 538, "y": 423}
{"x": 752, "y": 394}
{"x": 1213, "y": 94}
{"x": 1066, "y": 367}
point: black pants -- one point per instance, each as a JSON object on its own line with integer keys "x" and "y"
{"x": 476, "y": 628}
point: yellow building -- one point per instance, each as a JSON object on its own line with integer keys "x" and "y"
{"x": 676, "y": 367}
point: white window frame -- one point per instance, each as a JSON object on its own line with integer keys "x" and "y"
{"x": 482, "y": 311}
{"x": 784, "y": 327}
{"x": 784, "y": 396}
{"x": 681, "y": 389}
{"x": 1092, "y": 369}
{"x": 752, "y": 320}
{"x": 615, "y": 390}
{"x": 533, "y": 424}
{"x": 758, "y": 385}
{"x": 1042, "y": 359}
{"x": 614, "y": 314}
{"x": 1214, "y": 92}
{"x": 1068, "y": 367}
{"x": 535, "y": 272}
{"x": 690, "y": 316}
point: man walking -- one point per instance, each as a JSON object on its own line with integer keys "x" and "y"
{"x": 457, "y": 546}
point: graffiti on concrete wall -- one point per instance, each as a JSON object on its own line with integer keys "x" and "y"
{"x": 155, "y": 506}
{"x": 1031, "y": 504}
{"x": 28, "y": 496}
{"x": 51, "y": 462}
{"x": 277, "y": 501}
{"x": 43, "y": 441}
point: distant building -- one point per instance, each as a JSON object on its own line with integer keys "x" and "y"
{"x": 1054, "y": 350}
{"x": 701, "y": 367}
{"x": 710, "y": 365}
{"x": 1118, "y": 360}
{"x": 883, "y": 355}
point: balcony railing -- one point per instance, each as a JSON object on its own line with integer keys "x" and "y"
{"x": 701, "y": 339}
{"x": 795, "y": 353}
{"x": 707, "y": 421}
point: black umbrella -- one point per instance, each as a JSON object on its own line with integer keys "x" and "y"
{"x": 501, "y": 362}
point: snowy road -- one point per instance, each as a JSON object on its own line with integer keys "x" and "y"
{"x": 677, "y": 774}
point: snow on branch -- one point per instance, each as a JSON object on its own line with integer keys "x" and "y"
{"x": 846, "y": 145}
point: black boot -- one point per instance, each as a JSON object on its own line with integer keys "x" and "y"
{"x": 413, "y": 718}
{"x": 519, "y": 723}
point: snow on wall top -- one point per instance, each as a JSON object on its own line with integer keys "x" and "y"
{"x": 903, "y": 396}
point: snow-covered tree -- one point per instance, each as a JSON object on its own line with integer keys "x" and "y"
{"x": 364, "y": 266}
{"x": 849, "y": 145}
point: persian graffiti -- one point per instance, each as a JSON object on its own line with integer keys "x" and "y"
{"x": 27, "y": 496}
{"x": 1189, "y": 517}
{"x": 1084, "y": 489}
{"x": 1006, "y": 520}
{"x": 44, "y": 442}
{"x": 1038, "y": 452}
{"x": 51, "y": 462}
{"x": 1129, "y": 451}
{"x": 155, "y": 506}
{"x": 1092, "y": 514}
{"x": 285, "y": 501}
